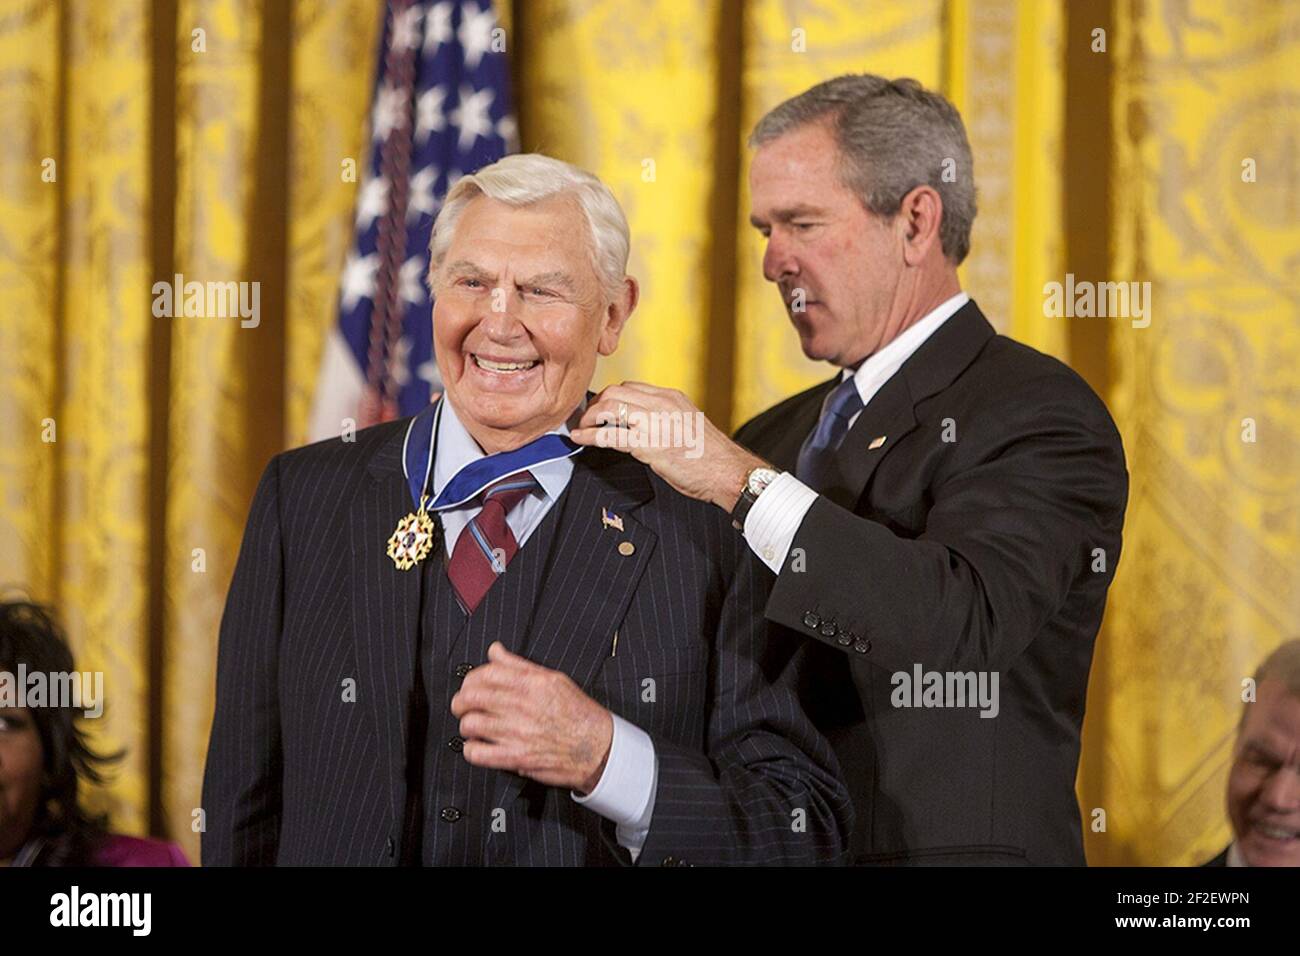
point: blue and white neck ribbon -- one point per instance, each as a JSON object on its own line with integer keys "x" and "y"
{"x": 470, "y": 481}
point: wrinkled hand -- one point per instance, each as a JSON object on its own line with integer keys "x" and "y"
{"x": 666, "y": 431}
{"x": 519, "y": 716}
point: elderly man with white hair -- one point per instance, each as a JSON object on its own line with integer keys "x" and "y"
{"x": 464, "y": 639}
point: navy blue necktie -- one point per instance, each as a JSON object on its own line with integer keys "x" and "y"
{"x": 818, "y": 452}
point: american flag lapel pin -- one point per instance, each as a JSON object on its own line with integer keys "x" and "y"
{"x": 876, "y": 443}
{"x": 608, "y": 520}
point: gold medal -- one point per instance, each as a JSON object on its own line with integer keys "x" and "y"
{"x": 413, "y": 539}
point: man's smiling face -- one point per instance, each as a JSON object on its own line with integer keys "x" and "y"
{"x": 1264, "y": 784}
{"x": 520, "y": 317}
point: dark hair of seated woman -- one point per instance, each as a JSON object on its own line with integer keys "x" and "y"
{"x": 45, "y": 760}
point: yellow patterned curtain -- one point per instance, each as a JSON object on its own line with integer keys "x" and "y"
{"x": 147, "y": 140}
{"x": 76, "y": 384}
{"x": 1206, "y": 209}
{"x": 207, "y": 138}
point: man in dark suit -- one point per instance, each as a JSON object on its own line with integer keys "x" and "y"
{"x": 455, "y": 640}
{"x": 942, "y": 517}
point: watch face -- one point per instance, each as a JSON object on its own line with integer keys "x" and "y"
{"x": 760, "y": 478}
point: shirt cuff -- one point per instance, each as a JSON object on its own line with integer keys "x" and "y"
{"x": 625, "y": 793}
{"x": 775, "y": 517}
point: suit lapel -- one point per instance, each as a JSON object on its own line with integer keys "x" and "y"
{"x": 594, "y": 566}
{"x": 591, "y": 573}
{"x": 891, "y": 413}
{"x": 886, "y": 419}
{"x": 385, "y": 611}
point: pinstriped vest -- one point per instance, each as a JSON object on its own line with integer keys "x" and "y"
{"x": 450, "y": 802}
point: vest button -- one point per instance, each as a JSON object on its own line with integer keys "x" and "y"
{"x": 450, "y": 814}
{"x": 457, "y": 743}
{"x": 462, "y": 670}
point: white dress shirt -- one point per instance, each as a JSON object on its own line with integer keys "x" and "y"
{"x": 625, "y": 792}
{"x": 774, "y": 519}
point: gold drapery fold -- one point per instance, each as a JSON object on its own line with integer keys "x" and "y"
{"x": 1206, "y": 189}
{"x": 333, "y": 69}
{"x": 216, "y": 405}
{"x": 30, "y": 199}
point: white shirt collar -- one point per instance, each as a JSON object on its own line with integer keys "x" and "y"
{"x": 457, "y": 448}
{"x": 881, "y": 365}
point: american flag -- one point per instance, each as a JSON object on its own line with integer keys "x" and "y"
{"x": 441, "y": 109}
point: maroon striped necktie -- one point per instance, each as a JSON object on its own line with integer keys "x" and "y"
{"x": 487, "y": 544}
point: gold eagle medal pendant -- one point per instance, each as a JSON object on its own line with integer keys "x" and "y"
{"x": 413, "y": 539}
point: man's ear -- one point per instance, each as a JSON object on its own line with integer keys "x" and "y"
{"x": 617, "y": 314}
{"x": 919, "y": 217}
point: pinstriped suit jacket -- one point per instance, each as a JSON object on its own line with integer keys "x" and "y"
{"x": 297, "y": 774}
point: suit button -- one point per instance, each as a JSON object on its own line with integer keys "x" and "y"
{"x": 829, "y": 629}
{"x": 844, "y": 640}
{"x": 457, "y": 743}
{"x": 862, "y": 646}
{"x": 811, "y": 620}
{"x": 462, "y": 670}
{"x": 450, "y": 814}
{"x": 669, "y": 861}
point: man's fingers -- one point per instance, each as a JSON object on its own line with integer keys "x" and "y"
{"x": 500, "y": 654}
{"x": 645, "y": 388}
{"x": 613, "y": 411}
{"x": 496, "y": 756}
{"x": 492, "y": 676}
{"x": 483, "y": 726}
{"x": 490, "y": 698}
{"x": 591, "y": 436}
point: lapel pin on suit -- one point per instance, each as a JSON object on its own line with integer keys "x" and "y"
{"x": 876, "y": 443}
{"x": 608, "y": 520}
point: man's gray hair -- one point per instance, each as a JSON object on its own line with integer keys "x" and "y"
{"x": 893, "y": 136}
{"x": 1282, "y": 665}
{"x": 526, "y": 178}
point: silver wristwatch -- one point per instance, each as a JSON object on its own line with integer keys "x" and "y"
{"x": 755, "y": 482}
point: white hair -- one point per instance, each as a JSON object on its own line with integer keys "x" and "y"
{"x": 526, "y": 178}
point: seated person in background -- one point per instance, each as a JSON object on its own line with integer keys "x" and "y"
{"x": 1264, "y": 785}
{"x": 43, "y": 759}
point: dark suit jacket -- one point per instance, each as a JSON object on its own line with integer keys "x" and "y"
{"x": 964, "y": 543}
{"x": 296, "y": 775}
